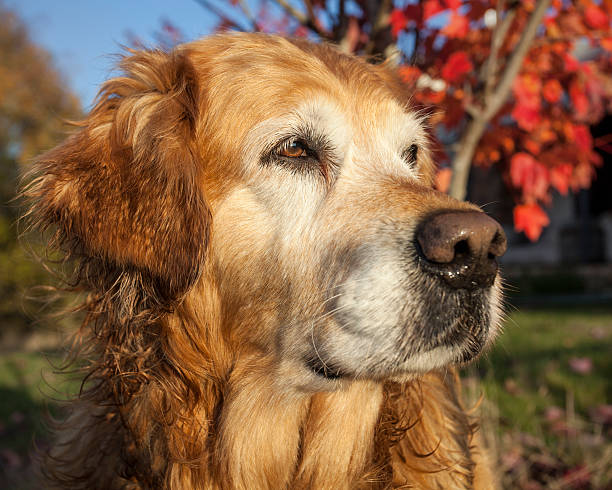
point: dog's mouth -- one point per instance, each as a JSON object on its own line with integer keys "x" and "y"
{"x": 437, "y": 328}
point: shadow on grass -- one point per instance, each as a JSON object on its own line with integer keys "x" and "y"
{"x": 22, "y": 429}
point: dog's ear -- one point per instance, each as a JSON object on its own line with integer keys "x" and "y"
{"x": 127, "y": 186}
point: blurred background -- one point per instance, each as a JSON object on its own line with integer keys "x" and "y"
{"x": 519, "y": 97}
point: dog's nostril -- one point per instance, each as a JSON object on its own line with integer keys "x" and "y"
{"x": 498, "y": 244}
{"x": 462, "y": 250}
{"x": 461, "y": 247}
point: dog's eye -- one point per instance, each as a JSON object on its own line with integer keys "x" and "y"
{"x": 410, "y": 155}
{"x": 297, "y": 155}
{"x": 295, "y": 148}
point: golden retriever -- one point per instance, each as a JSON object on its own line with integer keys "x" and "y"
{"x": 276, "y": 296}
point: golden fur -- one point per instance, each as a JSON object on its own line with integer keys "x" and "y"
{"x": 200, "y": 266}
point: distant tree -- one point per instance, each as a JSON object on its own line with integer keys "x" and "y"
{"x": 33, "y": 102}
{"x": 514, "y": 84}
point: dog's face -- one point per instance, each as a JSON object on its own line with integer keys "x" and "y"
{"x": 314, "y": 242}
{"x": 300, "y": 181}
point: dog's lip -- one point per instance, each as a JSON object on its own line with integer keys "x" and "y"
{"x": 322, "y": 369}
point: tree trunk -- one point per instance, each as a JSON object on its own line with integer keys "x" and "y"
{"x": 492, "y": 104}
{"x": 463, "y": 158}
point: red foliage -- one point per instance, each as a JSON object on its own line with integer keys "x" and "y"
{"x": 560, "y": 177}
{"x": 540, "y": 136}
{"x": 456, "y": 67}
{"x": 595, "y": 17}
{"x": 452, "y": 4}
{"x": 398, "y": 21}
{"x": 531, "y": 176}
{"x": 431, "y": 8}
{"x": 552, "y": 91}
{"x": 579, "y": 99}
{"x": 457, "y": 27}
{"x": 530, "y": 219}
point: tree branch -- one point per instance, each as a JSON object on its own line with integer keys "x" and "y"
{"x": 305, "y": 20}
{"x": 224, "y": 17}
{"x": 476, "y": 126}
{"x": 497, "y": 41}
{"x": 379, "y": 22}
{"x": 248, "y": 14}
{"x": 516, "y": 60}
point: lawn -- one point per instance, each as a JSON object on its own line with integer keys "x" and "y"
{"x": 548, "y": 389}
{"x": 546, "y": 412}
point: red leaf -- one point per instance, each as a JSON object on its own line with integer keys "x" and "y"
{"x": 526, "y": 89}
{"x": 602, "y": 414}
{"x": 409, "y": 74}
{"x": 530, "y": 219}
{"x": 456, "y": 67}
{"x": 578, "y": 477}
{"x": 571, "y": 63}
{"x": 301, "y": 31}
{"x": 552, "y": 91}
{"x": 431, "y": 8}
{"x": 561, "y": 176}
{"x": 553, "y": 413}
{"x": 581, "y": 365}
{"x": 398, "y": 21}
{"x": 454, "y": 113}
{"x": 595, "y": 17}
{"x": 413, "y": 12}
{"x": 583, "y": 175}
{"x": 443, "y": 179}
{"x": 457, "y": 27}
{"x": 582, "y": 137}
{"x": 452, "y": 4}
{"x": 579, "y": 99}
{"x": 606, "y": 43}
{"x": 526, "y": 117}
{"x": 528, "y": 174}
{"x": 532, "y": 146}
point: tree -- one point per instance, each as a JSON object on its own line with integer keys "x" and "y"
{"x": 33, "y": 101}
{"x": 514, "y": 84}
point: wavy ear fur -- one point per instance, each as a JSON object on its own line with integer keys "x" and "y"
{"x": 125, "y": 189}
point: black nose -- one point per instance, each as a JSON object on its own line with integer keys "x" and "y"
{"x": 461, "y": 247}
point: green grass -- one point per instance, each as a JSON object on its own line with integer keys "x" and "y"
{"x": 528, "y": 372}
{"x": 530, "y": 367}
{"x": 541, "y": 407}
{"x": 30, "y": 390}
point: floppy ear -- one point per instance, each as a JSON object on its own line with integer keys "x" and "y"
{"x": 126, "y": 187}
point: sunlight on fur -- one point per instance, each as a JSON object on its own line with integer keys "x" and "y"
{"x": 269, "y": 302}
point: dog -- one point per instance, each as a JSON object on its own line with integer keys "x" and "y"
{"x": 276, "y": 296}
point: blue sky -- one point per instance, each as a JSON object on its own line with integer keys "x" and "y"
{"x": 81, "y": 34}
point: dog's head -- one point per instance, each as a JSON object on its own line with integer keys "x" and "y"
{"x": 295, "y": 184}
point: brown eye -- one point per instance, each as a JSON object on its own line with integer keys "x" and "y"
{"x": 294, "y": 149}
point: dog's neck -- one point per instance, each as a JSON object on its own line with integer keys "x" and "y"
{"x": 237, "y": 424}
{"x": 270, "y": 438}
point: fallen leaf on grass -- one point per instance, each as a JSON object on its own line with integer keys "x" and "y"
{"x": 512, "y": 459}
{"x": 562, "y": 428}
{"x": 581, "y": 365}
{"x": 10, "y": 458}
{"x": 17, "y": 417}
{"x": 577, "y": 477}
{"x": 554, "y": 413}
{"x": 602, "y": 414}
{"x": 511, "y": 386}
